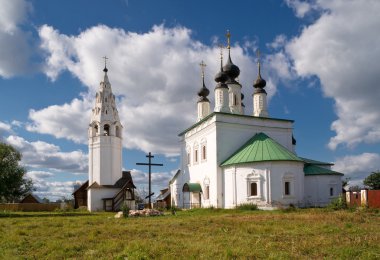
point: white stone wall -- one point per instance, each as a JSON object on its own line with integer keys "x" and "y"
{"x": 105, "y": 155}
{"x": 95, "y": 196}
{"x": 317, "y": 189}
{"x": 234, "y": 94}
{"x": 270, "y": 178}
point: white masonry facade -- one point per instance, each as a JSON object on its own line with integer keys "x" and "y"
{"x": 229, "y": 158}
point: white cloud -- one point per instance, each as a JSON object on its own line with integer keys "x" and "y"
{"x": 4, "y": 127}
{"x": 39, "y": 174}
{"x": 155, "y": 74}
{"x": 48, "y": 156}
{"x": 46, "y": 187}
{"x": 15, "y": 50}
{"x": 357, "y": 167}
{"x": 301, "y": 8}
{"x": 69, "y": 121}
{"x": 341, "y": 48}
{"x": 160, "y": 180}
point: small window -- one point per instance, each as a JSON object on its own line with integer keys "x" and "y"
{"x": 204, "y": 155}
{"x": 253, "y": 189}
{"x": 331, "y": 191}
{"x": 188, "y": 157}
{"x": 235, "y": 100}
{"x": 287, "y": 188}
{"x": 196, "y": 155}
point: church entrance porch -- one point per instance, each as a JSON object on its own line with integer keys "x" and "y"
{"x": 192, "y": 195}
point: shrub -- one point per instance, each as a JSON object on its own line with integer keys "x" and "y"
{"x": 125, "y": 210}
{"x": 337, "y": 204}
{"x": 247, "y": 206}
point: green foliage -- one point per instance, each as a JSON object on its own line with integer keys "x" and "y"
{"x": 13, "y": 184}
{"x": 125, "y": 209}
{"x": 337, "y": 204}
{"x": 373, "y": 181}
{"x": 247, "y": 206}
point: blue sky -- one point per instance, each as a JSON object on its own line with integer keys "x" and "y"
{"x": 320, "y": 60}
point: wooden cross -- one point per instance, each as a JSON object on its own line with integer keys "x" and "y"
{"x": 228, "y": 35}
{"x": 150, "y": 164}
{"x": 203, "y": 66}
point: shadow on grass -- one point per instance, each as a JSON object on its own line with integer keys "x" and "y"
{"x": 43, "y": 214}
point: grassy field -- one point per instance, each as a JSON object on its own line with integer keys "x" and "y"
{"x": 195, "y": 234}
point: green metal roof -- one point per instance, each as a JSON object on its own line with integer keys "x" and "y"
{"x": 316, "y": 170}
{"x": 261, "y": 148}
{"x": 310, "y": 161}
{"x": 192, "y": 187}
{"x": 235, "y": 115}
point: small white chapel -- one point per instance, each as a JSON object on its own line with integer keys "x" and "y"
{"x": 230, "y": 158}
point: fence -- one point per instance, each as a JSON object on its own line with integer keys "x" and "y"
{"x": 29, "y": 206}
{"x": 364, "y": 198}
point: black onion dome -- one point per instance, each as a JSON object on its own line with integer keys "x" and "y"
{"x": 221, "y": 76}
{"x": 231, "y": 69}
{"x": 203, "y": 93}
{"x": 259, "y": 83}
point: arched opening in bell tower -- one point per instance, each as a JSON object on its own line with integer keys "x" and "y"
{"x": 106, "y": 130}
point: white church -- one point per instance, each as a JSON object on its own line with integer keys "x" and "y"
{"x": 229, "y": 158}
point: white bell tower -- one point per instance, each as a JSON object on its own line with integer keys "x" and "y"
{"x": 105, "y": 138}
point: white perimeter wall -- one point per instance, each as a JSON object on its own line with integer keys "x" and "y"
{"x": 317, "y": 189}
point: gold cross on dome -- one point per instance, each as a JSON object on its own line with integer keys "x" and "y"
{"x": 105, "y": 61}
{"x": 228, "y": 35}
{"x": 258, "y": 55}
{"x": 221, "y": 51}
{"x": 203, "y": 65}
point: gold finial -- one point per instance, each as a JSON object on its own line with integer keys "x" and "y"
{"x": 228, "y": 35}
{"x": 258, "y": 55}
{"x": 258, "y": 61}
{"x": 203, "y": 65}
{"x": 221, "y": 51}
{"x": 105, "y": 61}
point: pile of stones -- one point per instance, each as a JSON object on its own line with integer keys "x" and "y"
{"x": 145, "y": 213}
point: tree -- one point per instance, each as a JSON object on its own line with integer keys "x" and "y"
{"x": 13, "y": 183}
{"x": 373, "y": 181}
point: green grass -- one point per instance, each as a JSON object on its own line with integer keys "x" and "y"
{"x": 194, "y": 234}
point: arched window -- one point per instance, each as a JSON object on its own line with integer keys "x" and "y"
{"x": 287, "y": 188}
{"x": 204, "y": 154}
{"x": 235, "y": 100}
{"x": 117, "y": 131}
{"x": 253, "y": 188}
{"x": 106, "y": 130}
{"x": 96, "y": 130}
